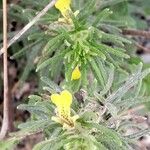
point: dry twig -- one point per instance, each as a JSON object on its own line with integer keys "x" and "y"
{"x": 29, "y": 25}
{"x": 7, "y": 123}
{"x": 145, "y": 49}
{"x": 134, "y": 32}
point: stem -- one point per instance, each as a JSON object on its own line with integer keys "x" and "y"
{"x": 145, "y": 49}
{"x": 7, "y": 119}
{"x": 134, "y": 32}
{"x": 29, "y": 25}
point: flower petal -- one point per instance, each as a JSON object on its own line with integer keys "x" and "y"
{"x": 66, "y": 97}
{"x": 56, "y": 99}
{"x": 63, "y": 5}
{"x": 76, "y": 74}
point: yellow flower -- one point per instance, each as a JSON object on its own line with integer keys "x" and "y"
{"x": 63, "y": 6}
{"x": 63, "y": 102}
{"x": 76, "y": 74}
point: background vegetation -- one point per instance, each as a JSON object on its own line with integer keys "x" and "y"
{"x": 109, "y": 41}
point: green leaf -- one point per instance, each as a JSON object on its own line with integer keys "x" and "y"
{"x": 102, "y": 15}
{"x": 113, "y": 38}
{"x": 96, "y": 71}
{"x": 24, "y": 49}
{"x": 86, "y": 10}
{"x": 97, "y": 51}
{"x": 53, "y": 42}
{"x": 48, "y": 62}
{"x": 51, "y": 144}
{"x": 35, "y": 125}
{"x": 39, "y": 110}
{"x": 35, "y": 98}
{"x": 113, "y": 51}
{"x": 130, "y": 82}
{"x": 51, "y": 84}
{"x": 30, "y": 61}
{"x": 109, "y": 82}
{"x": 106, "y": 135}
